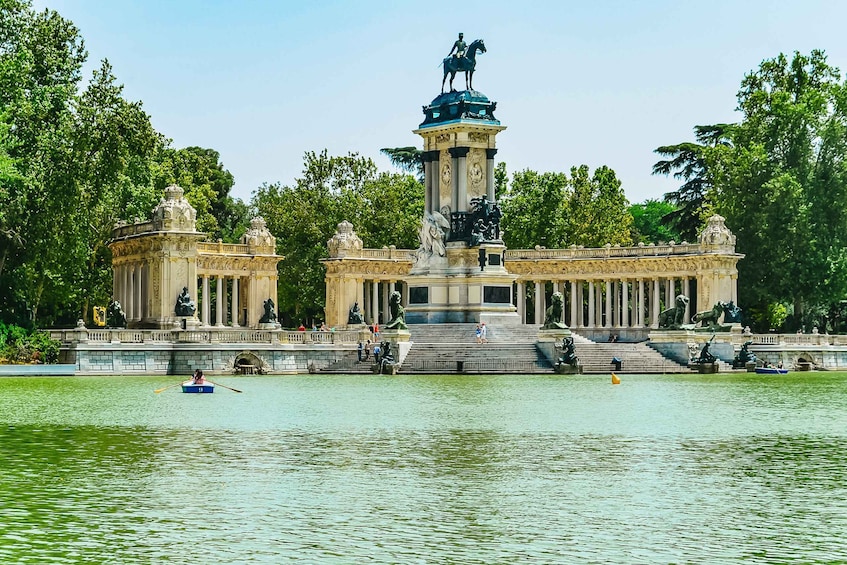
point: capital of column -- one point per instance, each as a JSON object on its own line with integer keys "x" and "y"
{"x": 459, "y": 152}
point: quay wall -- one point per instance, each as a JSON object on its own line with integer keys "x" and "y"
{"x": 153, "y": 352}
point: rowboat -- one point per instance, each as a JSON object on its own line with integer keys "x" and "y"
{"x": 771, "y": 370}
{"x": 191, "y": 386}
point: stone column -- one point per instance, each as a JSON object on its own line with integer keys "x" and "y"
{"x": 669, "y": 296}
{"x": 609, "y": 296}
{"x": 385, "y": 311}
{"x": 460, "y": 183}
{"x": 130, "y": 306}
{"x": 539, "y": 301}
{"x": 207, "y": 306}
{"x": 219, "y": 307}
{"x": 734, "y": 283}
{"x": 520, "y": 301}
{"x": 624, "y": 304}
{"x": 139, "y": 300}
{"x": 234, "y": 302}
{"x": 116, "y": 282}
{"x": 435, "y": 180}
{"x": 574, "y": 317}
{"x": 489, "y": 172}
{"x": 591, "y": 304}
{"x": 686, "y": 291}
{"x": 654, "y": 318}
{"x": 640, "y": 317}
{"x": 374, "y": 301}
{"x": 427, "y": 164}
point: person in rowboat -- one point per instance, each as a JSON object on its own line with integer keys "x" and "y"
{"x": 198, "y": 378}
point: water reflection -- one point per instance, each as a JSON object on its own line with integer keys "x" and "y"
{"x": 426, "y": 470}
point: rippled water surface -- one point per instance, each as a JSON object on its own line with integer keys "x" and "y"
{"x": 424, "y": 469}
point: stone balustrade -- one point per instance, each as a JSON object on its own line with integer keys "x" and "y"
{"x": 206, "y": 335}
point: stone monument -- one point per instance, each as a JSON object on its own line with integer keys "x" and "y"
{"x": 459, "y": 273}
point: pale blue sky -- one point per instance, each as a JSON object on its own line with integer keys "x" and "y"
{"x": 596, "y": 83}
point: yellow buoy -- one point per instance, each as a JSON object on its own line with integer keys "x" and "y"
{"x": 615, "y": 379}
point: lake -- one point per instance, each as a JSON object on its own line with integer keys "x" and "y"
{"x": 425, "y": 469}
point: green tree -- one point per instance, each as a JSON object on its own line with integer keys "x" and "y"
{"x": 687, "y": 162}
{"x": 552, "y": 210}
{"x": 113, "y": 146}
{"x": 408, "y": 159}
{"x": 40, "y": 62}
{"x": 649, "y": 222}
{"x": 782, "y": 183}
{"x": 207, "y": 186}
{"x": 535, "y": 207}
{"x": 383, "y": 208}
{"x": 599, "y": 211}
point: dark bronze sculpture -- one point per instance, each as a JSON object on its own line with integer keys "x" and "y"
{"x": 115, "y": 316}
{"x": 709, "y": 318}
{"x": 466, "y": 62}
{"x": 744, "y": 356}
{"x": 553, "y": 315}
{"x": 385, "y": 363}
{"x": 706, "y": 357}
{"x": 398, "y": 313}
{"x": 568, "y": 353}
{"x": 269, "y": 317}
{"x": 355, "y": 316}
{"x": 731, "y": 313}
{"x": 480, "y": 224}
{"x": 672, "y": 318}
{"x": 184, "y": 305}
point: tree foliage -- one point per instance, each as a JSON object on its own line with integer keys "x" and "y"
{"x": 779, "y": 178}
{"x": 649, "y": 224}
{"x": 385, "y": 209}
{"x": 554, "y": 210}
{"x": 408, "y": 159}
{"x": 75, "y": 158}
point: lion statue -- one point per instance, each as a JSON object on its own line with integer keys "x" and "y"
{"x": 672, "y": 318}
{"x": 553, "y": 315}
{"x": 709, "y": 318}
{"x": 398, "y": 313}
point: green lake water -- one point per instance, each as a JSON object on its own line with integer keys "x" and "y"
{"x": 425, "y": 469}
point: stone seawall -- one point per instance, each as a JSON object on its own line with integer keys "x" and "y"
{"x": 182, "y": 359}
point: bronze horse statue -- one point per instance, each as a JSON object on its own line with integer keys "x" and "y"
{"x": 452, "y": 65}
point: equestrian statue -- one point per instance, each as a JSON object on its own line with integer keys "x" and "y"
{"x": 463, "y": 60}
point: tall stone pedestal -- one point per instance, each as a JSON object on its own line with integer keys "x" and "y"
{"x": 456, "y": 289}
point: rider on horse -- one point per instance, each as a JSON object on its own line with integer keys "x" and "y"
{"x": 459, "y": 46}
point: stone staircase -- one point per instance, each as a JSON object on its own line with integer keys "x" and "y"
{"x": 452, "y": 348}
{"x": 637, "y": 358}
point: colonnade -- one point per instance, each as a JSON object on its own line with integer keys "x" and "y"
{"x": 237, "y": 286}
{"x": 131, "y": 287}
{"x": 373, "y": 297}
{"x": 606, "y": 303}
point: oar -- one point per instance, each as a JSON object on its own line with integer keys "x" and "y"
{"x": 219, "y": 384}
{"x": 158, "y": 390}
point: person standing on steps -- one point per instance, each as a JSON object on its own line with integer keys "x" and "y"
{"x": 484, "y": 333}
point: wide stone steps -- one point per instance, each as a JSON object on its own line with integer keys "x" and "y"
{"x": 635, "y": 358}
{"x": 452, "y": 348}
{"x": 475, "y": 358}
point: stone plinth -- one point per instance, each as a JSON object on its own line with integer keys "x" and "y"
{"x": 705, "y": 368}
{"x": 547, "y": 343}
{"x": 458, "y": 290}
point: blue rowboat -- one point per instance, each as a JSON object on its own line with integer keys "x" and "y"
{"x": 771, "y": 370}
{"x": 191, "y": 386}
